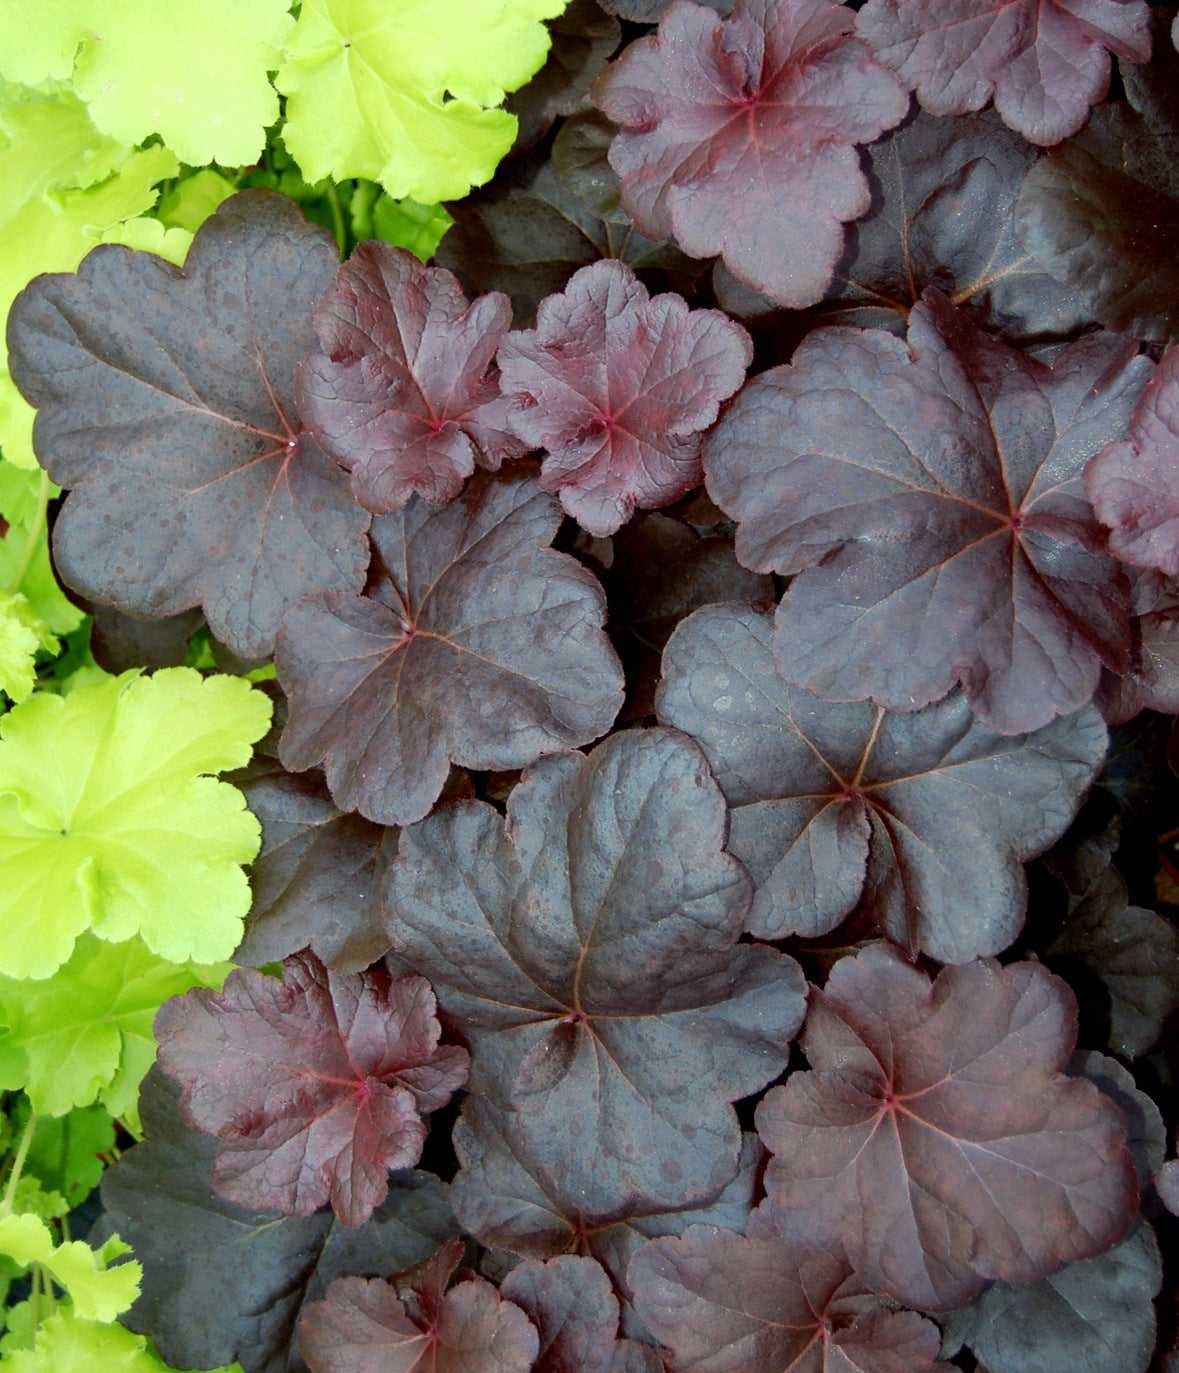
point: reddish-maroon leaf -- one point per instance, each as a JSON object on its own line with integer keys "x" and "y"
{"x": 930, "y": 498}
{"x": 414, "y": 1323}
{"x": 221, "y": 1283}
{"x": 1134, "y": 485}
{"x": 945, "y": 1106}
{"x": 477, "y": 643}
{"x": 738, "y": 136}
{"x": 407, "y": 396}
{"x": 1044, "y": 62}
{"x": 918, "y": 820}
{"x": 1101, "y": 211}
{"x": 569, "y": 1301}
{"x": 617, "y": 388}
{"x": 587, "y": 950}
{"x": 1153, "y": 680}
{"x": 315, "y": 1085}
{"x": 167, "y": 403}
{"x": 760, "y": 1303}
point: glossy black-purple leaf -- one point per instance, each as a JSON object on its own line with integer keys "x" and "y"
{"x": 166, "y": 401}
{"x": 930, "y": 499}
{"x": 1101, "y": 211}
{"x": 405, "y": 394}
{"x": 762, "y": 1303}
{"x": 945, "y": 1103}
{"x": 662, "y": 571}
{"x": 220, "y": 1283}
{"x": 581, "y": 161}
{"x": 477, "y": 643}
{"x": 617, "y": 388}
{"x": 1045, "y": 63}
{"x": 1134, "y": 956}
{"x": 415, "y": 1323}
{"x": 738, "y": 137}
{"x": 1093, "y": 1316}
{"x": 315, "y": 1085}
{"x": 316, "y": 882}
{"x": 587, "y": 951}
{"x": 583, "y": 39}
{"x": 568, "y": 1299}
{"x": 943, "y": 199}
{"x": 526, "y": 234}
{"x": 513, "y": 1197}
{"x": 920, "y": 820}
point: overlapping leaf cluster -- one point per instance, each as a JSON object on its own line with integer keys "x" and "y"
{"x": 569, "y": 826}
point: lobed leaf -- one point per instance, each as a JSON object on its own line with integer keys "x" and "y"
{"x": 166, "y": 403}
{"x": 110, "y": 820}
{"x": 919, "y": 821}
{"x": 617, "y": 389}
{"x": 315, "y": 1086}
{"x": 1044, "y": 63}
{"x": 477, "y": 644}
{"x": 587, "y": 951}
{"x": 738, "y": 136}
{"x": 946, "y": 1104}
{"x": 930, "y": 499}
{"x": 222, "y": 1283}
{"x": 405, "y": 394}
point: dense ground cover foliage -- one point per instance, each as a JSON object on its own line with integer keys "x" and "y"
{"x": 587, "y": 781}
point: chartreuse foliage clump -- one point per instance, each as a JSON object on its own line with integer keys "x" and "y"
{"x": 712, "y": 869}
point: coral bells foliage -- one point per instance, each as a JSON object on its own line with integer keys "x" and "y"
{"x": 694, "y": 914}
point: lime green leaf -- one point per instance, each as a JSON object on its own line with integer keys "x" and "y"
{"x": 398, "y": 90}
{"x": 22, "y": 635}
{"x": 193, "y": 199}
{"x": 110, "y": 821}
{"x": 68, "y": 1344}
{"x": 98, "y": 1291}
{"x": 31, "y": 1196}
{"x": 24, "y": 550}
{"x": 65, "y": 188}
{"x": 195, "y": 73}
{"x": 406, "y": 224}
{"x": 85, "y": 1034}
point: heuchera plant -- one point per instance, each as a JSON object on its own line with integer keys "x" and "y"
{"x": 705, "y": 899}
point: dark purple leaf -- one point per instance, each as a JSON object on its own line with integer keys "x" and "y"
{"x": 583, "y": 41}
{"x": 580, "y": 159}
{"x": 120, "y": 642}
{"x": 930, "y": 498}
{"x": 315, "y": 1086}
{"x": 407, "y": 396}
{"x": 569, "y": 1301}
{"x": 946, "y": 1105}
{"x": 617, "y": 388}
{"x": 943, "y": 200}
{"x": 1146, "y": 1136}
{"x": 760, "y": 1303}
{"x": 167, "y": 403}
{"x": 650, "y": 11}
{"x": 1095, "y": 1316}
{"x": 662, "y": 571}
{"x": 316, "y": 882}
{"x": 587, "y": 951}
{"x": 738, "y": 136}
{"x": 1134, "y": 954}
{"x": 415, "y": 1323}
{"x": 1045, "y": 63}
{"x": 477, "y": 643}
{"x": 221, "y": 1283}
{"x": 1101, "y": 212}
{"x": 526, "y": 234}
{"x": 1134, "y": 484}
{"x": 1153, "y": 680}
{"x": 918, "y": 820}
{"x": 512, "y": 1197}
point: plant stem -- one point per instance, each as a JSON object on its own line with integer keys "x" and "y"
{"x": 39, "y": 520}
{"x": 18, "y": 1164}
